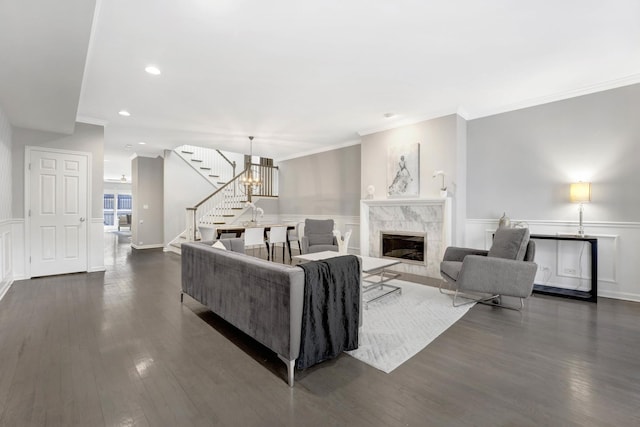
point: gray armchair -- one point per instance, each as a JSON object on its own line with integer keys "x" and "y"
{"x": 318, "y": 236}
{"x": 484, "y": 276}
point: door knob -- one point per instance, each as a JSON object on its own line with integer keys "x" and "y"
{"x": 81, "y": 219}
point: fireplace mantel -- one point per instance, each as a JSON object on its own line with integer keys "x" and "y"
{"x": 432, "y": 216}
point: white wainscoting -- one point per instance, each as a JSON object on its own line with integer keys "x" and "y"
{"x": 11, "y": 253}
{"x": 6, "y": 255}
{"x": 566, "y": 264}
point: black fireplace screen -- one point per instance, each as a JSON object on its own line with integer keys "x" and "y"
{"x": 409, "y": 247}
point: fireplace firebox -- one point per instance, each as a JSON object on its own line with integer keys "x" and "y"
{"x": 407, "y": 246}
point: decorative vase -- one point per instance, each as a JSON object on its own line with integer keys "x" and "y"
{"x": 371, "y": 190}
{"x": 504, "y": 221}
{"x": 443, "y": 193}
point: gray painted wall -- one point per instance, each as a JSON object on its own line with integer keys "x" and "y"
{"x": 438, "y": 151}
{"x": 87, "y": 138}
{"x": 183, "y": 187}
{"x": 522, "y": 162}
{"x": 147, "y": 193}
{"x": 5, "y": 167}
{"x": 321, "y": 184}
{"x": 442, "y": 147}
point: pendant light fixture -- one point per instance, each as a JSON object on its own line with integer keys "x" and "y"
{"x": 251, "y": 178}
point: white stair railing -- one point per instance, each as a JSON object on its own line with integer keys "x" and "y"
{"x": 228, "y": 202}
{"x": 210, "y": 163}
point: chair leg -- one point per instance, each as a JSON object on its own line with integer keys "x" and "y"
{"x": 442, "y": 290}
{"x": 458, "y": 304}
{"x": 497, "y": 302}
{"x": 493, "y": 300}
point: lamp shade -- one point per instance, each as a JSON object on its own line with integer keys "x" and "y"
{"x": 580, "y": 192}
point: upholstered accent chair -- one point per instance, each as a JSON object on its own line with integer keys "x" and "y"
{"x": 507, "y": 269}
{"x": 318, "y": 236}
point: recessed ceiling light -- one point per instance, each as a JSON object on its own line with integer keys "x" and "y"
{"x": 142, "y": 143}
{"x": 124, "y": 113}
{"x": 128, "y": 147}
{"x": 153, "y": 70}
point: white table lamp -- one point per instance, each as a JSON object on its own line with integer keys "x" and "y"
{"x": 580, "y": 192}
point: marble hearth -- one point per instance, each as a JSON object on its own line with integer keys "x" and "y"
{"x": 430, "y": 216}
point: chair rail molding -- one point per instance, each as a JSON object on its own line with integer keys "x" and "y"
{"x": 565, "y": 264}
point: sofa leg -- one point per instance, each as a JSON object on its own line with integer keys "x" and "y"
{"x": 291, "y": 366}
{"x": 181, "y": 297}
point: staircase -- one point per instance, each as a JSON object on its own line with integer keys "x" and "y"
{"x": 226, "y": 204}
{"x": 215, "y": 166}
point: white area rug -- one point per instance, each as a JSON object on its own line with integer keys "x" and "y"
{"x": 397, "y": 327}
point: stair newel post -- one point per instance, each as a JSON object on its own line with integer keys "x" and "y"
{"x": 191, "y": 224}
{"x": 233, "y": 165}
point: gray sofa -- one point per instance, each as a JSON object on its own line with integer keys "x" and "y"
{"x": 263, "y": 299}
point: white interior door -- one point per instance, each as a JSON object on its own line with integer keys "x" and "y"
{"x": 58, "y": 212}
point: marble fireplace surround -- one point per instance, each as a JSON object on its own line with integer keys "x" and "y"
{"x": 431, "y": 216}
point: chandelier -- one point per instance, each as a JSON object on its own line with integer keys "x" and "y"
{"x": 251, "y": 178}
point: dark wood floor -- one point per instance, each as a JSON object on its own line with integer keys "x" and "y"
{"x": 118, "y": 349}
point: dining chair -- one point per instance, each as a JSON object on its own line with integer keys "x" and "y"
{"x": 277, "y": 235}
{"x": 295, "y": 235}
{"x": 254, "y": 236}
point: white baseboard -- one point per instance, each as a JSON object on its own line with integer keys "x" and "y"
{"x": 4, "y": 288}
{"x": 156, "y": 246}
{"x": 96, "y": 269}
{"x": 619, "y": 295}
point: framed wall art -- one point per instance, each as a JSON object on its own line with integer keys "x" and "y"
{"x": 403, "y": 170}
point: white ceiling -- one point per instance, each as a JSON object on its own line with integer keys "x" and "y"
{"x": 43, "y": 47}
{"x": 302, "y": 76}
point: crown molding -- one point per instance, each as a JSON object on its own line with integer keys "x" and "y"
{"x": 320, "y": 150}
{"x": 471, "y": 114}
{"x": 91, "y": 121}
{"x": 408, "y": 121}
{"x": 559, "y": 96}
